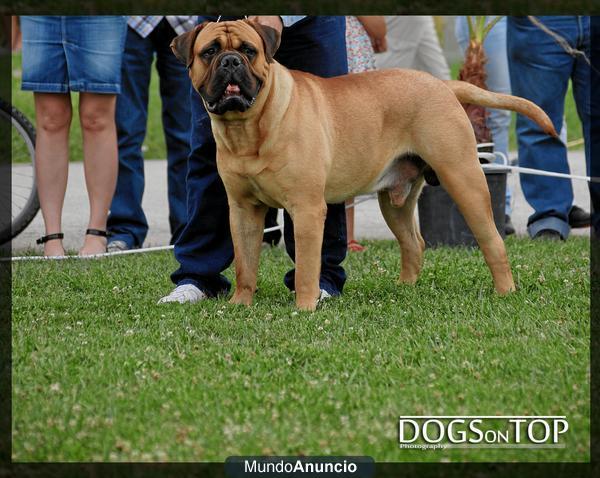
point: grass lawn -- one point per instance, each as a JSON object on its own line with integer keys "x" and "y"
{"x": 102, "y": 373}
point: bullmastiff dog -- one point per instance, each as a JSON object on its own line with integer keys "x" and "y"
{"x": 289, "y": 139}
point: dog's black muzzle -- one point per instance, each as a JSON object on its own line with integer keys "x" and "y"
{"x": 233, "y": 87}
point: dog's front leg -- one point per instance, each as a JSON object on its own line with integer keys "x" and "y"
{"x": 309, "y": 221}
{"x": 247, "y": 222}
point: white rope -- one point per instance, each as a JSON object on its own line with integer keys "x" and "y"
{"x": 540, "y": 172}
{"x": 519, "y": 169}
{"x": 140, "y": 250}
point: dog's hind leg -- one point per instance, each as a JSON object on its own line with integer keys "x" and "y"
{"x": 468, "y": 188}
{"x": 401, "y": 220}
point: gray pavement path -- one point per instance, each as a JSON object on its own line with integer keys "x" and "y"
{"x": 369, "y": 222}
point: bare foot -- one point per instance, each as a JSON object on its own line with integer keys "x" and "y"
{"x": 93, "y": 245}
{"x": 54, "y": 248}
{"x": 355, "y": 246}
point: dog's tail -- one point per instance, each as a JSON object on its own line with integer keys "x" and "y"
{"x": 468, "y": 93}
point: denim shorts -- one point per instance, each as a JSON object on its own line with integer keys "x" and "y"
{"x": 62, "y": 54}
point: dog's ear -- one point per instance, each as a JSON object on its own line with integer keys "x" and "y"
{"x": 183, "y": 45}
{"x": 270, "y": 37}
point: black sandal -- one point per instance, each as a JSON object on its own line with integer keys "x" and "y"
{"x": 50, "y": 237}
{"x": 96, "y": 232}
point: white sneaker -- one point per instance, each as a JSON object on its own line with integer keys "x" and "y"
{"x": 117, "y": 246}
{"x": 186, "y": 293}
{"x": 323, "y": 297}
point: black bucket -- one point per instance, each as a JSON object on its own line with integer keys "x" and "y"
{"x": 441, "y": 222}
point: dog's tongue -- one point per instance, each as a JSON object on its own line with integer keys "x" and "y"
{"x": 232, "y": 90}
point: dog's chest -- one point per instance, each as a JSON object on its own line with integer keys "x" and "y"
{"x": 251, "y": 175}
{"x": 245, "y": 166}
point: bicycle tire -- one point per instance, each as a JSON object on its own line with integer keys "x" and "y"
{"x": 32, "y": 206}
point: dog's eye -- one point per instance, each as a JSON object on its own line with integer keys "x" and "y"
{"x": 248, "y": 51}
{"x": 209, "y": 52}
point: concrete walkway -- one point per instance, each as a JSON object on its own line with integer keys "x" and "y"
{"x": 369, "y": 222}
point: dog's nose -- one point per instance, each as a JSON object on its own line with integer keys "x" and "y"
{"x": 230, "y": 61}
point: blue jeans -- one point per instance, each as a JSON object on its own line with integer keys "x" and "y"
{"x": 540, "y": 70}
{"x": 127, "y": 221}
{"x": 204, "y": 249}
{"x": 498, "y": 80}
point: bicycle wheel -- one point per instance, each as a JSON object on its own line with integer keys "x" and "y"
{"x": 24, "y": 202}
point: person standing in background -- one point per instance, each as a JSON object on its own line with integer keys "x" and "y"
{"x": 412, "y": 42}
{"x": 544, "y": 53}
{"x": 365, "y": 35}
{"x": 62, "y": 54}
{"x": 149, "y": 37}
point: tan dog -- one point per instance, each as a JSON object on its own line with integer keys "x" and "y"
{"x": 292, "y": 140}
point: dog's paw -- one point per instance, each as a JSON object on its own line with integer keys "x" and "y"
{"x": 241, "y": 299}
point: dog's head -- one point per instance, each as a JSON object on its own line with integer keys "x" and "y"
{"x": 228, "y": 62}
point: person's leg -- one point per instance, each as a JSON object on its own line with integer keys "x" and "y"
{"x": 127, "y": 221}
{"x": 498, "y": 80}
{"x": 430, "y": 57}
{"x": 353, "y": 244}
{"x": 581, "y": 79}
{"x": 318, "y": 45}
{"x": 402, "y": 44}
{"x": 176, "y": 120}
{"x": 97, "y": 116}
{"x": 549, "y": 65}
{"x": 204, "y": 248}
{"x": 53, "y": 120}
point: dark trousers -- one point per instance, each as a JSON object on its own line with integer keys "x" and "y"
{"x": 127, "y": 221}
{"x": 204, "y": 249}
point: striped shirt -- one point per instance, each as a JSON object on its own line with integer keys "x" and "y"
{"x": 143, "y": 25}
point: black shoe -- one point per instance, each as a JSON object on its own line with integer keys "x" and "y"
{"x": 579, "y": 217}
{"x": 509, "y": 229}
{"x": 549, "y": 235}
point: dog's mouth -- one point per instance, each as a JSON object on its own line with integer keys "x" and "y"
{"x": 233, "y": 98}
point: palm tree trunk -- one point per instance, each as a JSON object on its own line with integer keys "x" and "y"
{"x": 473, "y": 71}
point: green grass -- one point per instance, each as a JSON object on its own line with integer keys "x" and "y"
{"x": 102, "y": 373}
